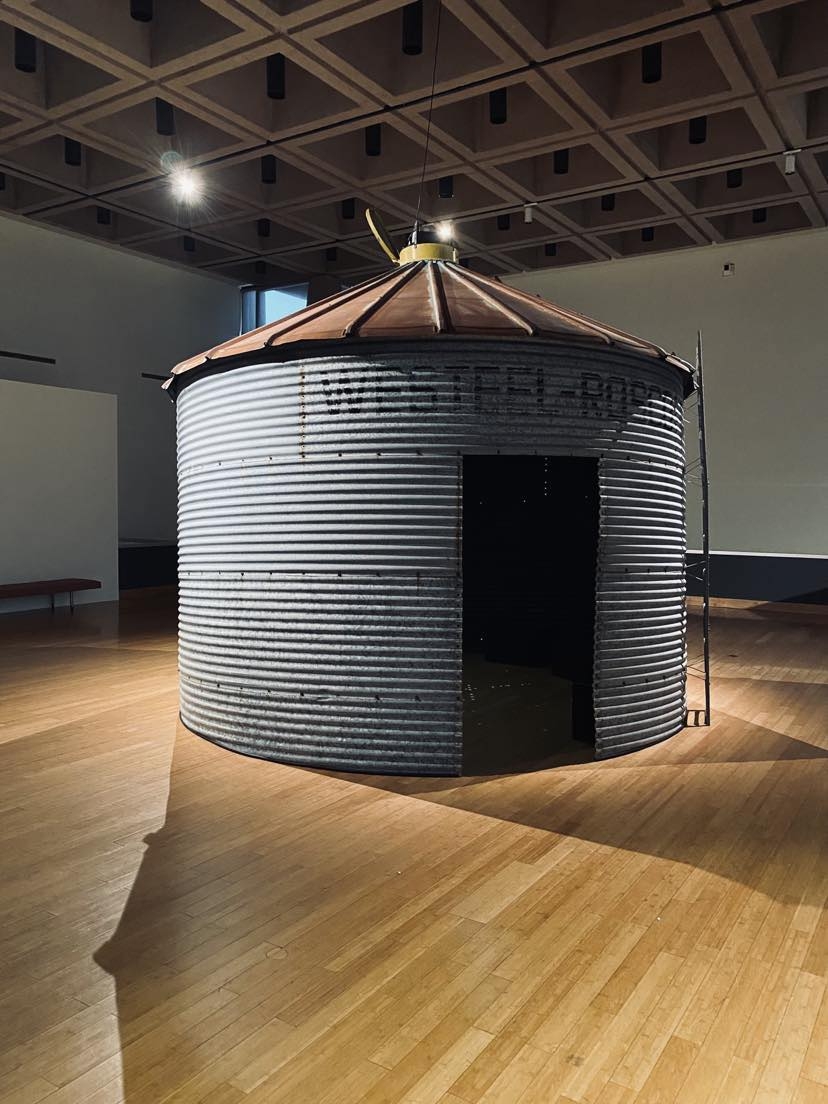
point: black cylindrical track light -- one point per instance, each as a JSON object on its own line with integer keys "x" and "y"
{"x": 445, "y": 187}
{"x": 2, "y": 182}
{"x": 72, "y": 152}
{"x": 268, "y": 169}
{"x": 550, "y": 249}
{"x": 331, "y": 253}
{"x": 608, "y": 202}
{"x": 498, "y": 106}
{"x": 697, "y": 130}
{"x": 263, "y": 228}
{"x": 760, "y": 214}
{"x": 734, "y": 178}
{"x": 259, "y": 267}
{"x": 373, "y": 140}
{"x": 560, "y": 162}
{"x": 25, "y": 51}
{"x": 651, "y": 63}
{"x": 504, "y": 222}
{"x": 348, "y": 208}
{"x": 164, "y": 117}
{"x": 188, "y": 243}
{"x": 412, "y": 28}
{"x": 141, "y": 10}
{"x": 647, "y": 234}
{"x": 103, "y": 216}
{"x": 276, "y": 77}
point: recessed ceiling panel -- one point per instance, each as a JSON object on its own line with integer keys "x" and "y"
{"x": 669, "y": 118}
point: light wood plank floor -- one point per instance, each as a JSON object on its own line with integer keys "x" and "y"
{"x": 182, "y": 924}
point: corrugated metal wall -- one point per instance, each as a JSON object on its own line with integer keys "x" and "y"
{"x": 319, "y": 541}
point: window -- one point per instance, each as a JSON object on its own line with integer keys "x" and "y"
{"x": 261, "y": 307}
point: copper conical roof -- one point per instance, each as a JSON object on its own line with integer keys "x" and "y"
{"x": 428, "y": 299}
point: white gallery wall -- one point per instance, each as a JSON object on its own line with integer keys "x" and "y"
{"x": 765, "y": 333}
{"x": 58, "y": 489}
{"x": 106, "y": 316}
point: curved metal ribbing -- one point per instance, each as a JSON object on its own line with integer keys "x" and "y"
{"x": 319, "y": 527}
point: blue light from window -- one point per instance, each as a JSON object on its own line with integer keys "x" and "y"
{"x": 279, "y": 302}
{"x": 260, "y": 308}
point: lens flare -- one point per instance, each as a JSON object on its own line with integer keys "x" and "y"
{"x": 186, "y": 185}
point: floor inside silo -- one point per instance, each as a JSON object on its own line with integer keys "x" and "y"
{"x": 515, "y": 718}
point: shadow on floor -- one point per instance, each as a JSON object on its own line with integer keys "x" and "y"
{"x": 254, "y": 855}
{"x": 256, "y": 861}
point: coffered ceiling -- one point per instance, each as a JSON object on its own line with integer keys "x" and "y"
{"x": 627, "y": 126}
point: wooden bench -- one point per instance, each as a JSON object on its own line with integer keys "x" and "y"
{"x": 50, "y": 587}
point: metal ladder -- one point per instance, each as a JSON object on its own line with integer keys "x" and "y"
{"x": 704, "y": 563}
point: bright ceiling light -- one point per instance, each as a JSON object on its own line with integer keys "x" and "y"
{"x": 445, "y": 230}
{"x": 186, "y": 185}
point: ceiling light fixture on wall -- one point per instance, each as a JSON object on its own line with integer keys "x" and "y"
{"x": 790, "y": 161}
{"x": 72, "y": 152}
{"x": 373, "y": 140}
{"x": 412, "y": 28}
{"x": 734, "y": 178}
{"x": 259, "y": 267}
{"x": 651, "y": 63}
{"x": 550, "y": 249}
{"x": 348, "y": 208}
{"x": 186, "y": 185}
{"x": 276, "y": 77}
{"x": 608, "y": 202}
{"x": 141, "y": 10}
{"x": 2, "y": 182}
{"x": 188, "y": 243}
{"x": 164, "y": 118}
{"x": 445, "y": 187}
{"x": 560, "y": 162}
{"x": 263, "y": 227}
{"x": 697, "y": 130}
{"x": 498, "y": 107}
{"x": 528, "y": 212}
{"x": 25, "y": 51}
{"x": 331, "y": 253}
{"x": 647, "y": 233}
{"x": 103, "y": 216}
{"x": 504, "y": 222}
{"x": 268, "y": 169}
{"x": 759, "y": 214}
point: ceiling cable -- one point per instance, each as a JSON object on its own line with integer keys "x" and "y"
{"x": 430, "y": 109}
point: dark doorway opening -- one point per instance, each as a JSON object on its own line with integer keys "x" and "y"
{"x": 530, "y": 537}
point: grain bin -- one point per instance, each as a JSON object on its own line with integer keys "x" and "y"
{"x": 323, "y": 532}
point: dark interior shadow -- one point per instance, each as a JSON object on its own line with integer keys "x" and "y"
{"x": 516, "y": 719}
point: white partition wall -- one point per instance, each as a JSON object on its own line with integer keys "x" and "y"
{"x": 107, "y": 315}
{"x": 58, "y": 489}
